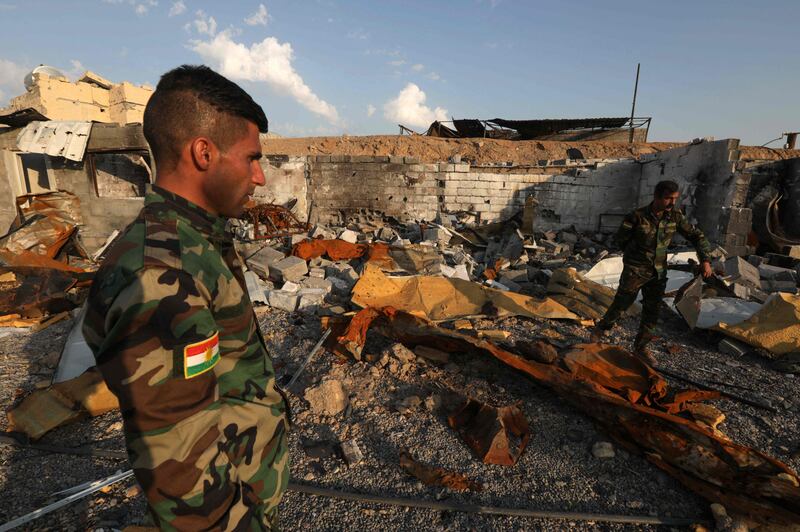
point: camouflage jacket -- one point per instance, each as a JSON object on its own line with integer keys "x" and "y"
{"x": 644, "y": 239}
{"x": 174, "y": 334}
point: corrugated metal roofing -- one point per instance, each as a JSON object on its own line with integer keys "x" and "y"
{"x": 56, "y": 138}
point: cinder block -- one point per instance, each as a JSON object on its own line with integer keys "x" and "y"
{"x": 262, "y": 259}
{"x": 288, "y": 269}
{"x": 283, "y": 300}
{"x": 775, "y": 273}
{"x": 310, "y": 298}
{"x": 743, "y": 272}
{"x": 318, "y": 284}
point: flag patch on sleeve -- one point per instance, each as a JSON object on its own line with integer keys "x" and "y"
{"x": 201, "y": 356}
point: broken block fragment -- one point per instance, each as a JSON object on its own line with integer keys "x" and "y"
{"x": 288, "y": 269}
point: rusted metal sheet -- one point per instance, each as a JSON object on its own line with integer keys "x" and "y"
{"x": 334, "y": 249}
{"x": 37, "y": 292}
{"x": 635, "y": 407}
{"x": 276, "y": 220}
{"x": 49, "y": 221}
{"x": 436, "y": 476}
{"x": 497, "y": 435}
{"x": 56, "y": 138}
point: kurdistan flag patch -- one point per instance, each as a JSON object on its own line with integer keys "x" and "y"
{"x": 201, "y": 356}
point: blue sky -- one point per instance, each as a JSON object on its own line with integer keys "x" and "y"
{"x": 325, "y": 67}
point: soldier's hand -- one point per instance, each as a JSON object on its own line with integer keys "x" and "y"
{"x": 706, "y": 270}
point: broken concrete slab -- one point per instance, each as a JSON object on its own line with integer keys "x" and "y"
{"x": 310, "y": 299}
{"x": 288, "y": 269}
{"x": 255, "y": 289}
{"x": 318, "y": 283}
{"x": 740, "y": 271}
{"x": 776, "y": 273}
{"x": 283, "y": 300}
{"x": 771, "y": 286}
{"x": 348, "y": 236}
{"x": 261, "y": 260}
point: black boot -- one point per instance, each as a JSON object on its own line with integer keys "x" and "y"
{"x": 641, "y": 350}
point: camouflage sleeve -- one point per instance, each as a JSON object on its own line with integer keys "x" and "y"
{"x": 161, "y": 343}
{"x": 695, "y": 236}
{"x": 625, "y": 231}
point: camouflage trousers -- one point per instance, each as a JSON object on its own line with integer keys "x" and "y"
{"x": 631, "y": 281}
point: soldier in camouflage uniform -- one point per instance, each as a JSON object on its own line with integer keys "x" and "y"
{"x": 172, "y": 327}
{"x": 644, "y": 236}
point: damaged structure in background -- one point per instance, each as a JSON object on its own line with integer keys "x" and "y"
{"x": 562, "y": 129}
{"x": 49, "y": 95}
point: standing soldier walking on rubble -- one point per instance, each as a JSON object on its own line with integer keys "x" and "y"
{"x": 644, "y": 236}
{"x": 172, "y": 327}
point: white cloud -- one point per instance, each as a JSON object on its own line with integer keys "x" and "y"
{"x": 358, "y": 34}
{"x": 140, "y": 7}
{"x": 397, "y": 62}
{"x": 259, "y": 18}
{"x": 370, "y": 110}
{"x": 434, "y": 76}
{"x": 409, "y": 108}
{"x": 418, "y": 67}
{"x": 269, "y": 61}
{"x": 205, "y": 24}
{"x": 12, "y": 77}
{"x": 76, "y": 71}
{"x": 177, "y": 8}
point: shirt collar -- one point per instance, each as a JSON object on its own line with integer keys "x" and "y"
{"x": 162, "y": 201}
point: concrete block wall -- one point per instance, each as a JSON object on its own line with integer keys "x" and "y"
{"x": 401, "y": 186}
{"x": 709, "y": 181}
{"x": 342, "y": 185}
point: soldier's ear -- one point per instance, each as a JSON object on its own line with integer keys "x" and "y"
{"x": 201, "y": 149}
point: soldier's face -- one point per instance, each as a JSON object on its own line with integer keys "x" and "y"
{"x": 666, "y": 202}
{"x": 236, "y": 175}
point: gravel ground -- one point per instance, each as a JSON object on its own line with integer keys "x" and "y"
{"x": 556, "y": 472}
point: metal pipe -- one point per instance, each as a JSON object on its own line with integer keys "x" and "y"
{"x": 633, "y": 106}
{"x": 493, "y": 510}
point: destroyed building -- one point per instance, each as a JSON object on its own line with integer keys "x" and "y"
{"x": 404, "y": 296}
{"x": 720, "y": 184}
{"x": 49, "y": 95}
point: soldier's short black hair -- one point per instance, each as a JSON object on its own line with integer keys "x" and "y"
{"x": 191, "y": 101}
{"x": 665, "y": 188}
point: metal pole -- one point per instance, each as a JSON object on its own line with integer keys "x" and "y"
{"x": 492, "y": 510}
{"x": 633, "y": 107}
